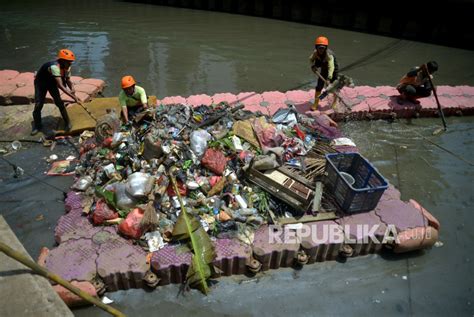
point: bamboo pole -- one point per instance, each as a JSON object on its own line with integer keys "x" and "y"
{"x": 87, "y": 110}
{"x": 56, "y": 278}
{"x": 441, "y": 113}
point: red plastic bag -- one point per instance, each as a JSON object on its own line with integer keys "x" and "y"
{"x": 103, "y": 212}
{"x": 131, "y": 227}
{"x": 299, "y": 133}
{"x": 213, "y": 180}
{"x": 183, "y": 190}
{"x": 215, "y": 161}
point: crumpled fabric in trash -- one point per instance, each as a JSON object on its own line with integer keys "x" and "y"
{"x": 265, "y": 162}
{"x": 267, "y": 134}
{"x": 321, "y": 124}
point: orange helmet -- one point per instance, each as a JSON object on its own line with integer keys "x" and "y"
{"x": 66, "y": 54}
{"x": 321, "y": 40}
{"x": 127, "y": 81}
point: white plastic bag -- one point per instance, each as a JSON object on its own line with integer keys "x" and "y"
{"x": 199, "y": 140}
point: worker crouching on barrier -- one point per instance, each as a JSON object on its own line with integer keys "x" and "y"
{"x": 416, "y": 83}
{"x": 51, "y": 77}
{"x": 325, "y": 59}
{"x": 132, "y": 98}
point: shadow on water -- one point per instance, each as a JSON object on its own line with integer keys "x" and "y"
{"x": 389, "y": 255}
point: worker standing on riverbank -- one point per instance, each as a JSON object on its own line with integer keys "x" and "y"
{"x": 324, "y": 59}
{"x": 416, "y": 83}
{"x": 51, "y": 77}
{"x": 132, "y": 98}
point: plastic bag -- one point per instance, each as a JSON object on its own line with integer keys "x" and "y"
{"x": 82, "y": 183}
{"x": 139, "y": 184}
{"x": 103, "y": 212}
{"x": 123, "y": 199}
{"x": 265, "y": 162}
{"x": 131, "y": 227}
{"x": 199, "y": 140}
{"x": 215, "y": 161}
{"x": 61, "y": 168}
{"x": 286, "y": 116}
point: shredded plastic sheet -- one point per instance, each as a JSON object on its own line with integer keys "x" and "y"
{"x": 342, "y": 142}
{"x": 285, "y": 116}
{"x": 61, "y": 168}
{"x": 154, "y": 240}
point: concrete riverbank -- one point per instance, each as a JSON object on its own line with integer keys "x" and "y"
{"x": 24, "y": 293}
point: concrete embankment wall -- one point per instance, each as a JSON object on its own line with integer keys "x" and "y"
{"x": 445, "y": 24}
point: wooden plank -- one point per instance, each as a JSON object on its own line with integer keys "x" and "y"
{"x": 318, "y": 195}
{"x": 278, "y": 190}
{"x": 81, "y": 120}
{"x": 295, "y": 176}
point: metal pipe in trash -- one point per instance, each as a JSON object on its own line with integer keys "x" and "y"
{"x": 56, "y": 278}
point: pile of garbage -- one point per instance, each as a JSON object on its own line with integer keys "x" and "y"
{"x": 126, "y": 173}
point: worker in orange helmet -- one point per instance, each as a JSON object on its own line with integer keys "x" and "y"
{"x": 324, "y": 59}
{"x": 416, "y": 83}
{"x": 132, "y": 98}
{"x": 51, "y": 77}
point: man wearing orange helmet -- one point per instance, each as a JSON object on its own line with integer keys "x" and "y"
{"x": 416, "y": 83}
{"x": 324, "y": 59}
{"x": 51, "y": 77}
{"x": 132, "y": 98}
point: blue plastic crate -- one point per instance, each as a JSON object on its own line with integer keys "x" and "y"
{"x": 368, "y": 186}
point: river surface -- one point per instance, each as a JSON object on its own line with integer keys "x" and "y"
{"x": 173, "y": 51}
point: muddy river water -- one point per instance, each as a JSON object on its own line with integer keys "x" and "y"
{"x": 173, "y": 51}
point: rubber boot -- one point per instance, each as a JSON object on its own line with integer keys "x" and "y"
{"x": 37, "y": 126}
{"x": 315, "y": 105}
{"x": 334, "y": 102}
{"x": 67, "y": 122}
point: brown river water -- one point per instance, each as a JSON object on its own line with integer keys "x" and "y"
{"x": 173, "y": 51}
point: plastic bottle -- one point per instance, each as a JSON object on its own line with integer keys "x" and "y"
{"x": 241, "y": 201}
{"x": 235, "y": 189}
{"x": 216, "y": 207}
